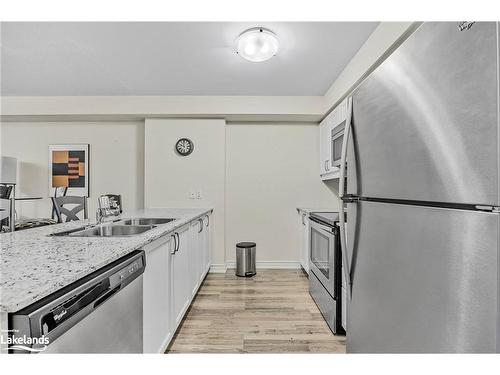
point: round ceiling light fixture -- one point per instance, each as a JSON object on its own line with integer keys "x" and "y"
{"x": 257, "y": 44}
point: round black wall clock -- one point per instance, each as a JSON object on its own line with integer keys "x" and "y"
{"x": 184, "y": 146}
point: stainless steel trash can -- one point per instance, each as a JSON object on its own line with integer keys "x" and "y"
{"x": 245, "y": 259}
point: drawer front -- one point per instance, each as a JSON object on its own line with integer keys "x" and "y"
{"x": 324, "y": 301}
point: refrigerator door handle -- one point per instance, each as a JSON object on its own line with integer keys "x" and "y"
{"x": 342, "y": 193}
{"x": 343, "y": 248}
{"x": 343, "y": 156}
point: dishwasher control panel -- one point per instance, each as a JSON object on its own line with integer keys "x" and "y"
{"x": 126, "y": 272}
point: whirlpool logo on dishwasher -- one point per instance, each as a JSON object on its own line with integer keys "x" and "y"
{"x": 24, "y": 343}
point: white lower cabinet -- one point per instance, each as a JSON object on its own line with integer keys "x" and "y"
{"x": 199, "y": 251}
{"x": 206, "y": 245}
{"x": 157, "y": 325}
{"x": 175, "y": 267}
{"x": 304, "y": 238}
{"x": 345, "y": 302}
{"x": 195, "y": 254}
{"x": 344, "y": 308}
{"x": 181, "y": 275}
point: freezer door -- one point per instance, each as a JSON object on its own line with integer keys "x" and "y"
{"x": 423, "y": 280}
{"x": 425, "y": 121}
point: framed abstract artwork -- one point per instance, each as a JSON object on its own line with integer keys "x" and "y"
{"x": 69, "y": 168}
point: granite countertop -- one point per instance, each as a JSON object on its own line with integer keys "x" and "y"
{"x": 309, "y": 210}
{"x": 34, "y": 264}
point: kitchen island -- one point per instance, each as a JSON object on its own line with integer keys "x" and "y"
{"x": 35, "y": 264}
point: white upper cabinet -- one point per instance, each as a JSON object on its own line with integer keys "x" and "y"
{"x": 324, "y": 146}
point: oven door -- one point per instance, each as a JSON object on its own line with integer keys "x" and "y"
{"x": 322, "y": 255}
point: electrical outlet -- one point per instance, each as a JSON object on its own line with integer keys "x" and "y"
{"x": 192, "y": 194}
{"x": 198, "y": 194}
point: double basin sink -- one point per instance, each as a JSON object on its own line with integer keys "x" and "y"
{"x": 121, "y": 228}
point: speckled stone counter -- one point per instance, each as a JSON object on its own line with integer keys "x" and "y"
{"x": 309, "y": 210}
{"x": 34, "y": 264}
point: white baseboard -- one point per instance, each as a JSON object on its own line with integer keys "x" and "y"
{"x": 285, "y": 265}
{"x": 218, "y": 268}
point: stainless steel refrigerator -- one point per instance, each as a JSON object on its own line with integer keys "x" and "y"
{"x": 421, "y": 189}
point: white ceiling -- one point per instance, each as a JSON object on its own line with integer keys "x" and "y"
{"x": 172, "y": 58}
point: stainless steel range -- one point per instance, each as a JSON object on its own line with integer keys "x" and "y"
{"x": 325, "y": 278}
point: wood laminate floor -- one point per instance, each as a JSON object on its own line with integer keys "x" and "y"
{"x": 272, "y": 312}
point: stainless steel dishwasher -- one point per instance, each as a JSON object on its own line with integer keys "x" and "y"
{"x": 101, "y": 313}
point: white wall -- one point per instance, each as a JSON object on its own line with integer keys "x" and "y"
{"x": 270, "y": 170}
{"x": 116, "y": 159}
{"x": 236, "y": 108}
{"x": 169, "y": 178}
{"x": 255, "y": 175}
{"x": 381, "y": 40}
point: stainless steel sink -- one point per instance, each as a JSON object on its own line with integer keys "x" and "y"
{"x": 146, "y": 221}
{"x": 121, "y": 228}
{"x": 112, "y": 230}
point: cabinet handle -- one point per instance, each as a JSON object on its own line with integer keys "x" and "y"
{"x": 178, "y": 242}
{"x": 200, "y": 221}
{"x": 175, "y": 243}
{"x": 327, "y": 166}
{"x": 208, "y": 220}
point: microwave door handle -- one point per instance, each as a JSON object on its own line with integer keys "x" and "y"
{"x": 342, "y": 192}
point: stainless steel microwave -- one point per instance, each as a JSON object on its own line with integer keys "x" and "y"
{"x": 337, "y": 137}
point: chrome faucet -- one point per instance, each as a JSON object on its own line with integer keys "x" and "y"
{"x": 106, "y": 209}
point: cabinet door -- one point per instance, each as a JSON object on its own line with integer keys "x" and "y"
{"x": 325, "y": 141}
{"x": 301, "y": 237}
{"x": 344, "y": 309}
{"x": 195, "y": 254}
{"x": 345, "y": 302}
{"x": 181, "y": 281}
{"x": 305, "y": 241}
{"x": 206, "y": 244}
{"x": 323, "y": 136}
{"x": 341, "y": 111}
{"x": 157, "y": 327}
